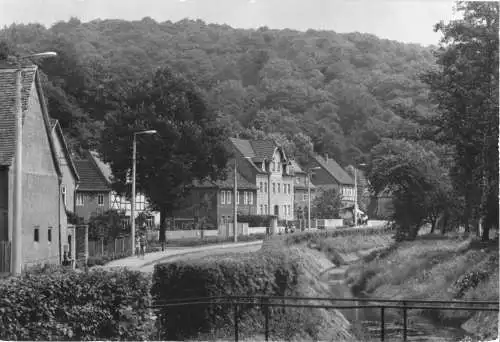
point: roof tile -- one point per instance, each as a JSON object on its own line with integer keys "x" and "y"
{"x": 7, "y": 108}
{"x": 91, "y": 177}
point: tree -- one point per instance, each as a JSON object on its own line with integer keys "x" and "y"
{"x": 465, "y": 87}
{"x": 327, "y": 205}
{"x": 106, "y": 226}
{"x": 188, "y": 145}
{"x": 414, "y": 177}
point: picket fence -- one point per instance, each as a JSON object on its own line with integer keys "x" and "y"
{"x": 118, "y": 246}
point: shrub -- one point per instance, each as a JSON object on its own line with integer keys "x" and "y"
{"x": 307, "y": 236}
{"x": 270, "y": 271}
{"x": 67, "y": 305}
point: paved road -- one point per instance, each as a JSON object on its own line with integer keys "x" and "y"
{"x": 184, "y": 253}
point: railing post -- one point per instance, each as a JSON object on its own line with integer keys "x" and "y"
{"x": 236, "y": 322}
{"x": 382, "y": 323}
{"x": 405, "y": 327}
{"x": 266, "y": 317}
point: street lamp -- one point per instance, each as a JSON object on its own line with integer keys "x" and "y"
{"x": 356, "y": 194}
{"x": 18, "y": 167}
{"x": 235, "y": 205}
{"x": 309, "y": 173}
{"x": 132, "y": 207}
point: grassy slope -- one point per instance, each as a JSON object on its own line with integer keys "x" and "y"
{"x": 444, "y": 269}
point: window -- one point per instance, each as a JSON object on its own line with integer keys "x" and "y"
{"x": 245, "y": 198}
{"x": 274, "y": 166}
{"x": 261, "y": 209}
{"x": 223, "y": 220}
{"x": 279, "y": 187}
{"x": 223, "y": 199}
{"x": 79, "y": 199}
{"x": 304, "y": 197}
{"x": 63, "y": 193}
{"x": 289, "y": 209}
{"x": 274, "y": 188}
{"x": 261, "y": 187}
{"x": 279, "y": 167}
{"x": 265, "y": 187}
{"x": 228, "y": 197}
{"x": 49, "y": 234}
{"x": 100, "y": 200}
{"x": 36, "y": 234}
{"x": 289, "y": 188}
{"x": 297, "y": 180}
{"x": 266, "y": 209}
{"x": 250, "y": 198}
{"x": 284, "y": 209}
{"x": 238, "y": 197}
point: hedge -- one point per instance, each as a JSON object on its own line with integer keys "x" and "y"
{"x": 57, "y": 304}
{"x": 256, "y": 220}
{"x": 270, "y": 271}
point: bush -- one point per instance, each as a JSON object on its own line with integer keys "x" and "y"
{"x": 270, "y": 271}
{"x": 56, "y": 304}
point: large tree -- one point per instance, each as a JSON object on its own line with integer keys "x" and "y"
{"x": 415, "y": 178}
{"x": 465, "y": 87}
{"x": 188, "y": 145}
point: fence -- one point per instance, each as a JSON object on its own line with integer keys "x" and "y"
{"x": 265, "y": 302}
{"x": 5, "y": 253}
{"x": 118, "y": 246}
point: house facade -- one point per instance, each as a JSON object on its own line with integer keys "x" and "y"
{"x": 214, "y": 202}
{"x": 301, "y": 193}
{"x": 93, "y": 193}
{"x": 264, "y": 164}
{"x": 329, "y": 174}
{"x": 69, "y": 182}
{"x": 122, "y": 203}
{"x": 41, "y": 174}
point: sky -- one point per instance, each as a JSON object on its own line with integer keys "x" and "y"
{"x": 408, "y": 21}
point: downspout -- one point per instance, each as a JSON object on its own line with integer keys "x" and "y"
{"x": 269, "y": 190}
{"x": 59, "y": 219}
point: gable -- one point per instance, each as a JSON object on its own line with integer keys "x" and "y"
{"x": 37, "y": 150}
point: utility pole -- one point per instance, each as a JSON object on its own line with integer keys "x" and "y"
{"x": 235, "y": 205}
{"x": 355, "y": 197}
{"x": 132, "y": 206}
{"x": 309, "y": 199}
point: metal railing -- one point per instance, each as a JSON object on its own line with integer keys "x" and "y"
{"x": 265, "y": 302}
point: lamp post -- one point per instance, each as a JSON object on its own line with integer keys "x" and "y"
{"x": 356, "y": 195}
{"x": 309, "y": 173}
{"x": 17, "y": 254}
{"x": 132, "y": 207}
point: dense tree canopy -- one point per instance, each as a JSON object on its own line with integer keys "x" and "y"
{"x": 188, "y": 143}
{"x": 341, "y": 91}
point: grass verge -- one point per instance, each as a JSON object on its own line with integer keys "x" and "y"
{"x": 444, "y": 269}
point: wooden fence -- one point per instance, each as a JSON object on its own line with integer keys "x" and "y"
{"x": 118, "y": 246}
{"x": 5, "y": 254}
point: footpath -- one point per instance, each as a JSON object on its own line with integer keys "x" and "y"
{"x": 135, "y": 262}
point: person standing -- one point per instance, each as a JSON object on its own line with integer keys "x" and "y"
{"x": 137, "y": 245}
{"x": 143, "y": 245}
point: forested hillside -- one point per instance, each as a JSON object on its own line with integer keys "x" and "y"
{"x": 338, "y": 92}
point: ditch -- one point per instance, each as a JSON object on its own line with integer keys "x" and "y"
{"x": 419, "y": 328}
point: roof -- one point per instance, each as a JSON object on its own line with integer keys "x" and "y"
{"x": 334, "y": 169}
{"x": 54, "y": 124}
{"x": 228, "y": 183}
{"x": 91, "y": 176}
{"x": 296, "y": 167}
{"x": 263, "y": 149}
{"x": 104, "y": 167}
{"x": 8, "y": 108}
